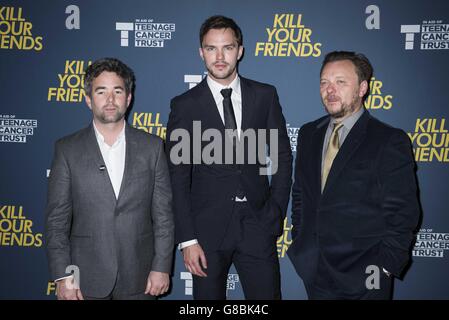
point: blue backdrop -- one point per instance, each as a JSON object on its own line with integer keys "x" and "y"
{"x": 46, "y": 45}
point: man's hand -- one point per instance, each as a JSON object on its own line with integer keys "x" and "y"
{"x": 66, "y": 289}
{"x": 192, "y": 256}
{"x": 157, "y": 283}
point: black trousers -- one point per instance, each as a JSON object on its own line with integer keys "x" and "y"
{"x": 253, "y": 252}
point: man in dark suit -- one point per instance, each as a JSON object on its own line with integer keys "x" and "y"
{"x": 355, "y": 204}
{"x": 226, "y": 211}
{"x": 109, "y": 211}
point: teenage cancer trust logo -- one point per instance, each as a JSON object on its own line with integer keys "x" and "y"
{"x": 147, "y": 33}
{"x": 16, "y": 130}
{"x": 16, "y": 31}
{"x": 434, "y": 35}
{"x": 293, "y": 136}
{"x": 231, "y": 284}
{"x": 431, "y": 244}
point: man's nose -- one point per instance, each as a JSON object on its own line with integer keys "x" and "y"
{"x": 220, "y": 55}
{"x": 110, "y": 97}
{"x": 330, "y": 88}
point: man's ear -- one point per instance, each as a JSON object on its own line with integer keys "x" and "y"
{"x": 201, "y": 53}
{"x": 363, "y": 88}
{"x": 128, "y": 99}
{"x": 241, "y": 48}
{"x": 88, "y": 102}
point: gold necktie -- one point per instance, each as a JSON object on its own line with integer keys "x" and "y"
{"x": 331, "y": 153}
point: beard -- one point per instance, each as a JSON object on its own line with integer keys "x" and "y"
{"x": 225, "y": 74}
{"x": 345, "y": 109}
{"x": 111, "y": 118}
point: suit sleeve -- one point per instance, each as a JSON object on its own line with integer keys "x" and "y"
{"x": 281, "y": 180}
{"x": 58, "y": 215}
{"x": 399, "y": 200}
{"x": 162, "y": 216}
{"x": 180, "y": 173}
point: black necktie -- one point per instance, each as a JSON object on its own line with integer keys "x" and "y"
{"x": 228, "y": 110}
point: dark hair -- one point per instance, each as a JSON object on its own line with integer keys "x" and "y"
{"x": 363, "y": 67}
{"x": 221, "y": 22}
{"x": 110, "y": 65}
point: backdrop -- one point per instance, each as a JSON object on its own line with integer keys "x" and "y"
{"x": 46, "y": 45}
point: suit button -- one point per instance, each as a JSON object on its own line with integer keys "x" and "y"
{"x": 239, "y": 171}
{"x": 232, "y": 198}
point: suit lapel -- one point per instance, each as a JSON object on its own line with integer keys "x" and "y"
{"x": 248, "y": 97}
{"x": 347, "y": 150}
{"x": 317, "y": 153}
{"x": 93, "y": 150}
{"x": 210, "y": 110}
{"x": 130, "y": 152}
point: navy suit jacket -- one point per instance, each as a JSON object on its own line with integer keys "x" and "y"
{"x": 368, "y": 211}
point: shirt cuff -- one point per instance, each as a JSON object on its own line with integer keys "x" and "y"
{"x": 186, "y": 244}
{"x": 62, "y": 278}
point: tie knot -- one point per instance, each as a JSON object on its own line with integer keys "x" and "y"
{"x": 337, "y": 126}
{"x": 226, "y": 93}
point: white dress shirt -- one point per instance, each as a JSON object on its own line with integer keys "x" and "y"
{"x": 114, "y": 158}
{"x": 236, "y": 98}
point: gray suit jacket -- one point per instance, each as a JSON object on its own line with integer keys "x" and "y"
{"x": 88, "y": 227}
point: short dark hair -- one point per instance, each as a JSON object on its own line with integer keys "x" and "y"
{"x": 220, "y": 22}
{"x": 363, "y": 67}
{"x": 110, "y": 65}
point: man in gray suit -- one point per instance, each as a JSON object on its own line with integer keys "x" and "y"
{"x": 109, "y": 210}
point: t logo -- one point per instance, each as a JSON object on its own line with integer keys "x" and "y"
{"x": 410, "y": 31}
{"x": 187, "y": 276}
{"x": 124, "y": 28}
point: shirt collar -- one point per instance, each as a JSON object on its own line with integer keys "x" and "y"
{"x": 350, "y": 121}
{"x": 216, "y": 87}
{"x": 100, "y": 137}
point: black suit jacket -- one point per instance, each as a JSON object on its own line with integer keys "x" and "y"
{"x": 367, "y": 212}
{"x": 203, "y": 194}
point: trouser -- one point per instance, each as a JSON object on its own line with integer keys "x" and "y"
{"x": 253, "y": 252}
{"x": 120, "y": 293}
